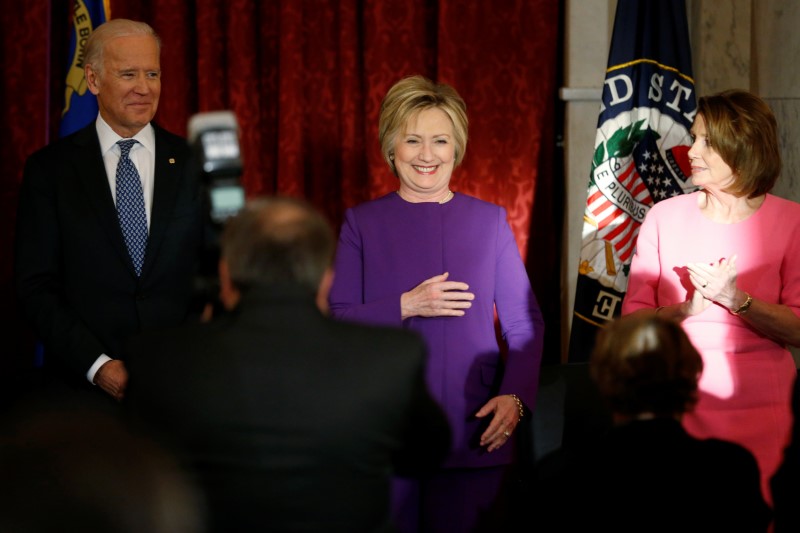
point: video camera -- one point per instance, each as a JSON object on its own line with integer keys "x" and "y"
{"x": 214, "y": 140}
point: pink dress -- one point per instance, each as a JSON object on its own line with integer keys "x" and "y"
{"x": 747, "y": 378}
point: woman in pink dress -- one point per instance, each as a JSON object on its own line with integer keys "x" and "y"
{"x": 725, "y": 262}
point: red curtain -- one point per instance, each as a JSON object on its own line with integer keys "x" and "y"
{"x": 305, "y": 79}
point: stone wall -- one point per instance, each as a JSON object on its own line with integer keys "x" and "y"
{"x": 748, "y": 44}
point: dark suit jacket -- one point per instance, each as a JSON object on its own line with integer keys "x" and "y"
{"x": 651, "y": 475}
{"x": 290, "y": 421}
{"x": 74, "y": 277}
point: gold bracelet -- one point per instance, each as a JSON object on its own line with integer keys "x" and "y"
{"x": 519, "y": 405}
{"x": 745, "y": 306}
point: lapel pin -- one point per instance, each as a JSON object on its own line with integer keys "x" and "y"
{"x": 171, "y": 161}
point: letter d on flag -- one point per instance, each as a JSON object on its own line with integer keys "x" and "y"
{"x": 640, "y": 153}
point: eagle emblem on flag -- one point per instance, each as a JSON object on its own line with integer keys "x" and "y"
{"x": 640, "y": 154}
{"x": 640, "y": 159}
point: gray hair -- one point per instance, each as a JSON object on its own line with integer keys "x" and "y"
{"x": 101, "y": 35}
{"x": 277, "y": 240}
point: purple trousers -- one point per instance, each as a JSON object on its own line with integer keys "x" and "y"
{"x": 454, "y": 500}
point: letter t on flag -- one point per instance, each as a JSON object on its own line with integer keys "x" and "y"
{"x": 80, "y": 105}
{"x": 640, "y": 153}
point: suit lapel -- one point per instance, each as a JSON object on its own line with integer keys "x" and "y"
{"x": 91, "y": 172}
{"x": 169, "y": 165}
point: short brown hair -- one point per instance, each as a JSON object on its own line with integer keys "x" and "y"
{"x": 742, "y": 129}
{"x": 645, "y": 364}
{"x": 408, "y": 97}
{"x": 114, "y": 28}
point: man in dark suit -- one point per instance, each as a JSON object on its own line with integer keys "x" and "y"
{"x": 291, "y": 421}
{"x": 108, "y": 234}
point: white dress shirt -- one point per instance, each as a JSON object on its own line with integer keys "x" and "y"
{"x": 143, "y": 157}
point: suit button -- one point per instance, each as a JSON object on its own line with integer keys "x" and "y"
{"x": 141, "y": 297}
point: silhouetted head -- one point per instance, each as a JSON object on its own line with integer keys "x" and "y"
{"x": 646, "y": 366}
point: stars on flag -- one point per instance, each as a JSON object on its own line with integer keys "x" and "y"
{"x": 653, "y": 170}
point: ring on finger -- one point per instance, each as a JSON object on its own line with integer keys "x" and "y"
{"x": 507, "y": 434}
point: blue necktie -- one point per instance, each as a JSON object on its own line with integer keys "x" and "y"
{"x": 130, "y": 206}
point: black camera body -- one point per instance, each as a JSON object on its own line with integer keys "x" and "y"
{"x": 214, "y": 140}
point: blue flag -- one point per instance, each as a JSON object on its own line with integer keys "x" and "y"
{"x": 640, "y": 153}
{"x": 80, "y": 105}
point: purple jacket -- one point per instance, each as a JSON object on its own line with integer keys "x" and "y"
{"x": 389, "y": 246}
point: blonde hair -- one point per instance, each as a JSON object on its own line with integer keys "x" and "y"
{"x": 408, "y": 97}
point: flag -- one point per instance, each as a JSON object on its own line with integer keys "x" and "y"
{"x": 640, "y": 157}
{"x": 80, "y": 105}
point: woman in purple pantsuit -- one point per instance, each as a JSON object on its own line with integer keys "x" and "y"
{"x": 441, "y": 263}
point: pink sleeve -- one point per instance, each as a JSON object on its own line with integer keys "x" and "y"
{"x": 790, "y": 274}
{"x": 645, "y": 270}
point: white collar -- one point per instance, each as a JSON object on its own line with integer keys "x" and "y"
{"x": 108, "y": 138}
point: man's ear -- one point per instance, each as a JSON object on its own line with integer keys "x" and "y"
{"x": 92, "y": 79}
{"x": 228, "y": 293}
{"x": 323, "y": 290}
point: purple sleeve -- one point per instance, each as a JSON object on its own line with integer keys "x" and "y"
{"x": 346, "y": 298}
{"x": 520, "y": 318}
